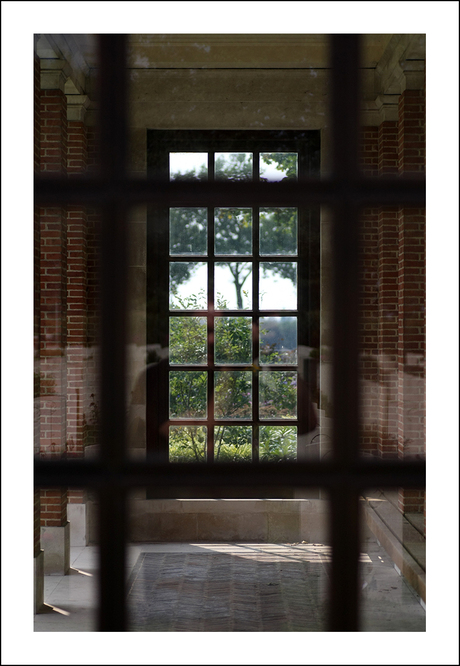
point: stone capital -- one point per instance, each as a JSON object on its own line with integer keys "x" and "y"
{"x": 369, "y": 114}
{"x": 412, "y": 76}
{"x": 387, "y": 106}
{"x": 54, "y": 73}
{"x": 76, "y": 107}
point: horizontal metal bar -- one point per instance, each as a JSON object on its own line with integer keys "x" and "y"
{"x": 363, "y": 474}
{"x": 233, "y": 422}
{"x": 361, "y": 192}
{"x": 234, "y": 366}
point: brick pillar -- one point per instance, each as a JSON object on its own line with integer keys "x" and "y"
{"x": 53, "y": 315}
{"x": 411, "y": 281}
{"x": 369, "y": 301}
{"x": 388, "y": 229}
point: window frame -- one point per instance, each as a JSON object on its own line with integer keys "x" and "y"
{"x": 160, "y": 144}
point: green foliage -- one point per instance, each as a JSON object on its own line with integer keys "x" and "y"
{"x": 233, "y": 444}
{"x": 233, "y": 395}
{"x": 187, "y": 394}
{"x": 192, "y": 302}
{"x": 232, "y": 338}
{"x": 187, "y": 443}
{"x": 277, "y": 443}
{"x": 233, "y": 230}
{"x": 187, "y": 340}
{"x": 187, "y": 231}
{"x": 235, "y": 166}
{"x": 278, "y": 231}
{"x": 278, "y": 395}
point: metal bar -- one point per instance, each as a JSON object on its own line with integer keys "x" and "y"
{"x": 404, "y": 191}
{"x": 343, "y": 602}
{"x": 112, "y": 519}
{"x": 364, "y": 474}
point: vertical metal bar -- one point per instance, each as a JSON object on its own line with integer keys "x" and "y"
{"x": 256, "y": 314}
{"x": 112, "y": 518}
{"x": 344, "y": 500}
{"x": 211, "y": 319}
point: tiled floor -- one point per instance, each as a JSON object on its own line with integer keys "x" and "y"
{"x": 230, "y": 587}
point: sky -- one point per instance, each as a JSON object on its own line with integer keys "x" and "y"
{"x": 183, "y": 162}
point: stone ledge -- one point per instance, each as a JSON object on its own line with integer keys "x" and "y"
{"x": 263, "y": 520}
{"x": 228, "y": 505}
{"x": 397, "y": 551}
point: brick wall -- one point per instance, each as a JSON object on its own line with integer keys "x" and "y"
{"x": 393, "y": 297}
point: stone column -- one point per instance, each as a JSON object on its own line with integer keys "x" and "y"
{"x": 53, "y": 313}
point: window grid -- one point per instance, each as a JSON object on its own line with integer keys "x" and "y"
{"x": 112, "y": 475}
{"x": 256, "y": 367}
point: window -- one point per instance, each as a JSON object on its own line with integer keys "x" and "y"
{"x": 223, "y": 287}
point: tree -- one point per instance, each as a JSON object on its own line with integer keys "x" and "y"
{"x": 188, "y": 393}
{"x": 233, "y": 226}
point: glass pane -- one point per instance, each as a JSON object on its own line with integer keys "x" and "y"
{"x": 277, "y": 443}
{"x": 278, "y": 166}
{"x": 187, "y": 443}
{"x": 188, "y": 231}
{"x": 233, "y": 166}
{"x": 233, "y": 443}
{"x": 233, "y": 285}
{"x": 278, "y": 395}
{"x": 278, "y": 340}
{"x": 188, "y": 166}
{"x": 233, "y": 395}
{"x": 233, "y": 230}
{"x": 188, "y": 285}
{"x": 278, "y": 286}
{"x": 233, "y": 339}
{"x": 187, "y": 394}
{"x": 278, "y": 230}
{"x": 187, "y": 340}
